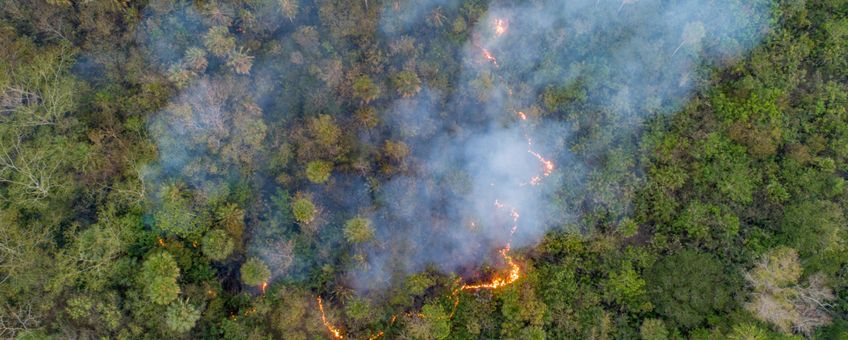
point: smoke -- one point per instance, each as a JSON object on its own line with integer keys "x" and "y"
{"x": 599, "y": 68}
{"x": 586, "y": 74}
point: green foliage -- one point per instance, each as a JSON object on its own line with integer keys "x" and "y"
{"x": 688, "y": 287}
{"x": 653, "y": 329}
{"x": 433, "y": 323}
{"x": 162, "y": 290}
{"x": 407, "y": 83}
{"x": 318, "y": 171}
{"x": 254, "y": 272}
{"x": 181, "y": 316}
{"x": 365, "y": 89}
{"x": 358, "y": 230}
{"x": 304, "y": 210}
{"x": 219, "y": 41}
{"x": 747, "y": 331}
{"x": 217, "y": 245}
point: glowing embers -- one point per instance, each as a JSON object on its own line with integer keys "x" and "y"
{"x": 337, "y": 333}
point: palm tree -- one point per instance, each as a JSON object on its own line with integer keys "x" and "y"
{"x": 407, "y": 83}
{"x": 437, "y": 17}
{"x": 219, "y": 41}
{"x": 240, "y": 61}
{"x": 195, "y": 58}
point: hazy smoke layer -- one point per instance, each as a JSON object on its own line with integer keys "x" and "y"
{"x": 472, "y": 176}
{"x": 584, "y": 73}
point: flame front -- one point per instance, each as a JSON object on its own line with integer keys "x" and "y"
{"x": 337, "y": 333}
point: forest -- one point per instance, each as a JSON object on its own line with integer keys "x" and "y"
{"x": 423, "y": 169}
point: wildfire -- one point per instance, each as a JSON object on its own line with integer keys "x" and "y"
{"x": 497, "y": 282}
{"x": 264, "y": 285}
{"x": 488, "y": 55}
{"x": 337, "y": 333}
{"x": 546, "y": 164}
{"x": 521, "y": 115}
{"x": 515, "y": 270}
{"x": 500, "y": 27}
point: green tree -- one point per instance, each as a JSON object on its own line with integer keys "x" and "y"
{"x": 407, "y": 83}
{"x": 240, "y": 61}
{"x": 304, "y": 210}
{"x": 653, "y": 329}
{"x": 219, "y": 41}
{"x": 318, "y": 171}
{"x": 358, "y": 230}
{"x": 159, "y": 274}
{"x": 181, "y": 316}
{"x": 365, "y": 89}
{"x": 254, "y": 272}
{"x": 747, "y": 331}
{"x": 217, "y": 245}
{"x": 432, "y": 323}
{"x": 688, "y": 287}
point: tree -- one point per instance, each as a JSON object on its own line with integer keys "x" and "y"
{"x": 358, "y": 230}
{"x": 219, "y": 41}
{"x": 231, "y": 217}
{"x": 217, "y": 245}
{"x": 407, "y": 83}
{"x": 816, "y": 229}
{"x": 254, "y": 272}
{"x": 181, "y": 316}
{"x": 365, "y": 89}
{"x": 747, "y": 331}
{"x": 688, "y": 287}
{"x": 778, "y": 299}
{"x": 626, "y": 288}
{"x": 318, "y": 171}
{"x": 239, "y": 61}
{"x": 159, "y": 274}
{"x": 289, "y": 8}
{"x": 195, "y": 59}
{"x": 653, "y": 329}
{"x": 432, "y": 323}
{"x": 304, "y": 210}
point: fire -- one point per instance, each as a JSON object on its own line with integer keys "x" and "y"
{"x": 488, "y": 55}
{"x": 522, "y": 115}
{"x": 161, "y": 241}
{"x": 337, "y": 333}
{"x": 500, "y": 27}
{"x": 498, "y": 282}
{"x": 547, "y": 165}
{"x": 264, "y": 285}
{"x": 514, "y": 271}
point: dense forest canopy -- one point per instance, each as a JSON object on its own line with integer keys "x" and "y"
{"x": 439, "y": 169}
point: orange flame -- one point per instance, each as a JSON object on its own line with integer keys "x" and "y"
{"x": 337, "y": 333}
{"x": 264, "y": 285}
{"x": 546, "y": 164}
{"x": 497, "y": 282}
{"x": 161, "y": 241}
{"x": 488, "y": 55}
